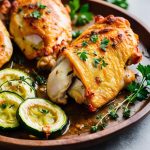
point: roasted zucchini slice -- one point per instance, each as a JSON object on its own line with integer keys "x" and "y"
{"x": 42, "y": 118}
{"x": 21, "y": 87}
{"x": 13, "y": 74}
{"x": 9, "y": 103}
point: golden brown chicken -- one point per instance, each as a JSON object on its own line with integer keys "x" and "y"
{"x": 5, "y": 7}
{"x": 6, "y": 48}
{"x": 40, "y": 28}
{"x": 98, "y": 58}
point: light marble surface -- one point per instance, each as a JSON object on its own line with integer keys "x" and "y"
{"x": 138, "y": 136}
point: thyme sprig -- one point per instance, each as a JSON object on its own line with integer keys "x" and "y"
{"x": 138, "y": 92}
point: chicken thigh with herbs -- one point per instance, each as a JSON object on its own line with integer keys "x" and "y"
{"x": 94, "y": 67}
{"x": 6, "y": 48}
{"x": 40, "y": 28}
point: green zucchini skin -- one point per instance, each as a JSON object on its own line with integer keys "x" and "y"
{"x": 2, "y": 128}
{"x": 41, "y": 134}
{"x": 25, "y": 85}
{"x": 13, "y": 74}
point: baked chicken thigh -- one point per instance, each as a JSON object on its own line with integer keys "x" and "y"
{"x": 94, "y": 67}
{"x": 40, "y": 28}
{"x": 6, "y": 48}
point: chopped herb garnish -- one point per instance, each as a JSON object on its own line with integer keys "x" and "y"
{"x": 82, "y": 14}
{"x": 138, "y": 91}
{"x": 3, "y": 106}
{"x": 94, "y": 38}
{"x": 74, "y": 6}
{"x": 101, "y": 61}
{"x": 22, "y": 78}
{"x": 104, "y": 64}
{"x": 44, "y": 111}
{"x": 104, "y": 44}
{"x": 41, "y": 6}
{"x": 84, "y": 18}
{"x": 84, "y": 43}
{"x": 121, "y": 3}
{"x": 75, "y": 34}
{"x": 83, "y": 55}
{"x": 96, "y": 61}
{"x": 36, "y": 14}
{"x": 38, "y": 79}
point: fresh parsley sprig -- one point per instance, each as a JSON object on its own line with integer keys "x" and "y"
{"x": 39, "y": 80}
{"x": 81, "y": 15}
{"x": 36, "y": 14}
{"x": 94, "y": 38}
{"x": 83, "y": 55}
{"x": 75, "y": 34}
{"x": 41, "y": 6}
{"x": 101, "y": 61}
{"x": 138, "y": 91}
{"x": 104, "y": 43}
{"x": 121, "y": 3}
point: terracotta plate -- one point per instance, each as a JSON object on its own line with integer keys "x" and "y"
{"x": 85, "y": 139}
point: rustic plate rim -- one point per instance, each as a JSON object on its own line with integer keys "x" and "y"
{"x": 89, "y": 137}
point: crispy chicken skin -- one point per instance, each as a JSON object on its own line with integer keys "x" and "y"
{"x": 6, "y": 48}
{"x": 99, "y": 85}
{"x": 40, "y": 28}
{"x": 5, "y": 7}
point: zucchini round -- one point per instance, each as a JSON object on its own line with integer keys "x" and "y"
{"x": 42, "y": 118}
{"x": 9, "y": 103}
{"x": 13, "y": 74}
{"x": 22, "y": 88}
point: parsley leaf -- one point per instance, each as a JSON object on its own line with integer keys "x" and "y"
{"x": 104, "y": 64}
{"x": 75, "y": 34}
{"x": 142, "y": 94}
{"x": 44, "y": 111}
{"x": 84, "y": 18}
{"x": 41, "y": 6}
{"x": 145, "y": 71}
{"x": 84, "y": 43}
{"x": 132, "y": 87}
{"x": 96, "y": 61}
{"x": 3, "y": 106}
{"x": 36, "y": 14}
{"x": 81, "y": 15}
{"x": 121, "y": 3}
{"x": 83, "y": 55}
{"x": 104, "y": 44}
{"x": 94, "y": 38}
{"x": 74, "y": 5}
{"x": 38, "y": 79}
{"x": 22, "y": 78}
{"x": 100, "y": 61}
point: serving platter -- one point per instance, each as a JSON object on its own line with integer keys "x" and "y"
{"x": 74, "y": 138}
